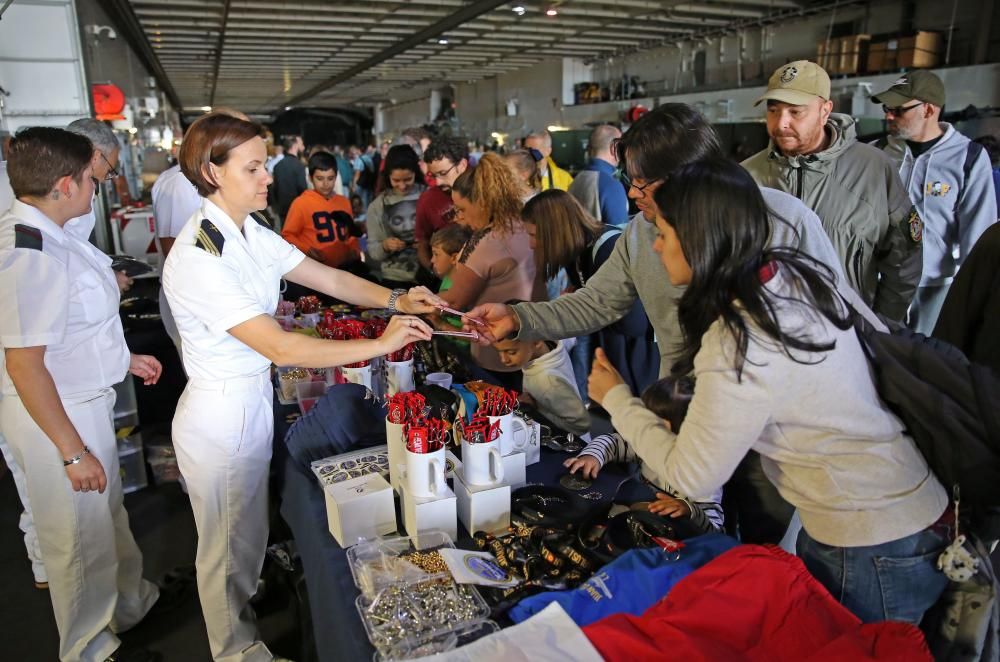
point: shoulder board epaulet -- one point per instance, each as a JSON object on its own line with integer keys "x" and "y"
{"x": 26, "y": 236}
{"x": 257, "y": 216}
{"x": 209, "y": 238}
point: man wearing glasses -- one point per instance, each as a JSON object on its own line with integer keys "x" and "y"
{"x": 948, "y": 178}
{"x": 446, "y": 157}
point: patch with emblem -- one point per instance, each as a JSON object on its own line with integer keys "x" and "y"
{"x": 902, "y": 81}
{"x": 209, "y": 238}
{"x": 916, "y": 226}
{"x": 937, "y": 189}
{"x": 788, "y": 74}
{"x": 26, "y": 236}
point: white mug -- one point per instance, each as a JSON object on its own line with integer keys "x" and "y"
{"x": 361, "y": 376}
{"x": 481, "y": 463}
{"x": 398, "y": 377}
{"x": 397, "y": 452}
{"x": 513, "y": 433}
{"x": 425, "y": 474}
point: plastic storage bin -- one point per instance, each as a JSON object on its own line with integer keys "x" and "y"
{"x": 307, "y": 393}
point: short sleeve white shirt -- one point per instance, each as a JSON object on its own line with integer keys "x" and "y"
{"x": 213, "y": 288}
{"x": 175, "y": 200}
{"x": 60, "y": 292}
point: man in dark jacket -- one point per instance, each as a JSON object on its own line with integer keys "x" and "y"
{"x": 289, "y": 176}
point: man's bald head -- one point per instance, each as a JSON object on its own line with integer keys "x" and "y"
{"x": 602, "y": 139}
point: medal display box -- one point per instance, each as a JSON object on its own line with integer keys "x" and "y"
{"x": 354, "y": 464}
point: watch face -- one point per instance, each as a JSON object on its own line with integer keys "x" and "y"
{"x": 574, "y": 482}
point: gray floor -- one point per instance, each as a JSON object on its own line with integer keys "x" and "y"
{"x": 163, "y": 526}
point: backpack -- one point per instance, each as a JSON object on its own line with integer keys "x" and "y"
{"x": 949, "y": 406}
{"x": 368, "y": 175}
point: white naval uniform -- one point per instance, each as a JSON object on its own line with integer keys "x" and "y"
{"x": 59, "y": 292}
{"x": 175, "y": 199}
{"x": 217, "y": 277}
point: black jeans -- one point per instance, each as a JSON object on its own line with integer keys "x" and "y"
{"x": 755, "y": 512}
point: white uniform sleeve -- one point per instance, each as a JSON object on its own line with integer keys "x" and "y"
{"x": 212, "y": 291}
{"x": 286, "y": 255}
{"x": 34, "y": 298}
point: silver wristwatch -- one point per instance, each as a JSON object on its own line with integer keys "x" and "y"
{"x": 76, "y": 459}
{"x": 393, "y": 298}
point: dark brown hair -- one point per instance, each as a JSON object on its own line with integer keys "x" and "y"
{"x": 492, "y": 187}
{"x": 451, "y": 238}
{"x": 669, "y": 399}
{"x": 40, "y": 156}
{"x": 210, "y": 139}
{"x": 563, "y": 230}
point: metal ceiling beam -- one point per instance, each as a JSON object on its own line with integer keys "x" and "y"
{"x": 218, "y": 52}
{"x": 121, "y": 13}
{"x": 463, "y": 15}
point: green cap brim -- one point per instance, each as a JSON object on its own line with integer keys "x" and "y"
{"x": 891, "y": 99}
{"x": 794, "y": 97}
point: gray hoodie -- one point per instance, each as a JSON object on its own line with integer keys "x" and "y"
{"x": 633, "y": 270}
{"x": 858, "y": 195}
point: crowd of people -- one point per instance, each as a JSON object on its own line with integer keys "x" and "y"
{"x": 714, "y": 327}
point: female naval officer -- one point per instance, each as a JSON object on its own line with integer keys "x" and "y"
{"x": 222, "y": 281}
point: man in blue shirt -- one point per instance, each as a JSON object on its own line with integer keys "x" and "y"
{"x": 596, "y": 187}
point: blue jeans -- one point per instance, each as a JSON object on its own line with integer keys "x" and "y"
{"x": 894, "y": 581}
{"x": 579, "y": 356}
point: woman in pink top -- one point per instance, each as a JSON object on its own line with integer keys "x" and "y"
{"x": 497, "y": 264}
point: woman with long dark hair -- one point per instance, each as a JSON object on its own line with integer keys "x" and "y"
{"x": 392, "y": 219}
{"x": 779, "y": 370}
{"x": 566, "y": 237}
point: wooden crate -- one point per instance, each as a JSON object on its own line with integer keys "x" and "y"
{"x": 853, "y": 53}
{"x": 921, "y": 51}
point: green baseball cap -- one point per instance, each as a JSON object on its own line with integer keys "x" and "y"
{"x": 919, "y": 85}
{"x": 797, "y": 83}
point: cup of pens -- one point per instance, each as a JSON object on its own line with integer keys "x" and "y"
{"x": 499, "y": 404}
{"x": 425, "y": 457}
{"x": 399, "y": 371}
{"x": 481, "y": 460}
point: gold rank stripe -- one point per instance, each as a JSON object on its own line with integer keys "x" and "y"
{"x": 204, "y": 241}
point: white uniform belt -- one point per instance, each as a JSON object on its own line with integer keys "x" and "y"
{"x": 233, "y": 384}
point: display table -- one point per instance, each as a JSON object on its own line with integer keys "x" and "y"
{"x": 338, "y": 630}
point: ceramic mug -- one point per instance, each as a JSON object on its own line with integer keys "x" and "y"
{"x": 513, "y": 433}
{"x": 398, "y": 377}
{"x": 481, "y": 463}
{"x": 425, "y": 474}
{"x": 397, "y": 452}
{"x": 361, "y": 376}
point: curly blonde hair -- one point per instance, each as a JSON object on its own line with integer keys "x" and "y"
{"x": 493, "y": 187}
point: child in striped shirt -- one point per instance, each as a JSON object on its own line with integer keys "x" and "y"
{"x": 668, "y": 398}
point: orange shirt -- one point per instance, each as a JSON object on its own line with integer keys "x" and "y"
{"x": 326, "y": 226}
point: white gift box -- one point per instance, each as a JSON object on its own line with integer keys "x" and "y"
{"x": 514, "y": 472}
{"x": 533, "y": 448}
{"x": 422, "y": 515}
{"x": 360, "y": 508}
{"x": 483, "y": 507}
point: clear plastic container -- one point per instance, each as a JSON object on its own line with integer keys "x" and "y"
{"x": 353, "y": 464}
{"x": 376, "y": 564}
{"x": 442, "y": 643}
{"x": 307, "y": 393}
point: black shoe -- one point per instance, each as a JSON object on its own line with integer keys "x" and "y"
{"x": 127, "y": 653}
{"x": 177, "y": 588}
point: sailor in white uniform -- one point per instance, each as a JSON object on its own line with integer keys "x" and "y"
{"x": 64, "y": 349}
{"x": 222, "y": 282}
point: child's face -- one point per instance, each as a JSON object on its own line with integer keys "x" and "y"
{"x": 515, "y": 353}
{"x": 442, "y": 262}
{"x": 357, "y": 207}
{"x": 324, "y": 182}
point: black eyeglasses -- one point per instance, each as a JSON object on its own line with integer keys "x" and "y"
{"x": 898, "y": 111}
{"x": 439, "y": 175}
{"x": 112, "y": 171}
{"x": 627, "y": 181}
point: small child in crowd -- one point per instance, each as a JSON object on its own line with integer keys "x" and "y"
{"x": 446, "y": 244}
{"x": 668, "y": 398}
{"x": 549, "y": 383}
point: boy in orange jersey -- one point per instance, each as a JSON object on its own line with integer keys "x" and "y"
{"x": 319, "y": 222}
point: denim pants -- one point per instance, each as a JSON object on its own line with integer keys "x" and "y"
{"x": 893, "y": 581}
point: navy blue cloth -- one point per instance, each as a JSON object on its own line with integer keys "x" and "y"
{"x": 340, "y": 421}
{"x": 629, "y": 343}
{"x": 610, "y": 193}
{"x": 630, "y": 584}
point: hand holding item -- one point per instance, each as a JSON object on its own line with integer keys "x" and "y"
{"x": 393, "y": 245}
{"x": 87, "y": 475}
{"x": 124, "y": 282}
{"x": 499, "y": 321}
{"x": 603, "y": 377}
{"x": 418, "y": 301}
{"x": 403, "y": 330}
{"x": 146, "y": 368}
{"x": 586, "y": 464}
{"x": 669, "y": 506}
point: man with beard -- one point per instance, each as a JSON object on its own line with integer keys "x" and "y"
{"x": 446, "y": 157}
{"x": 947, "y": 176}
{"x": 814, "y": 155}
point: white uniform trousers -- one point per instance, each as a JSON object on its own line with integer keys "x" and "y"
{"x": 222, "y": 433}
{"x": 26, "y": 524}
{"x": 93, "y": 563}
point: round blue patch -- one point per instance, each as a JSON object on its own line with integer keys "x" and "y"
{"x": 485, "y": 568}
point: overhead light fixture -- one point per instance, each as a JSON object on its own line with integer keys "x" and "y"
{"x": 206, "y": 109}
{"x": 555, "y": 127}
{"x": 443, "y": 42}
{"x": 518, "y": 9}
{"x": 551, "y": 11}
